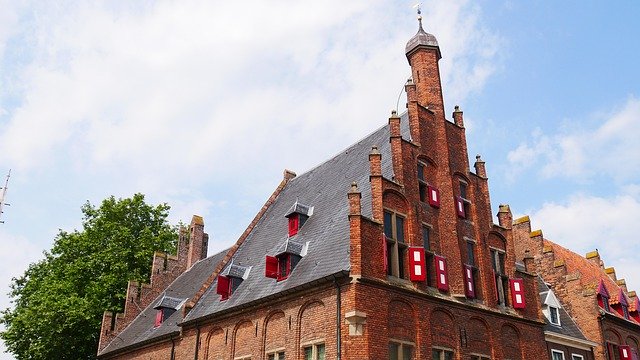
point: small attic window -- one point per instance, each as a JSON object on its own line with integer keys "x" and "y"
{"x": 603, "y": 297}
{"x": 554, "y": 318}
{"x": 288, "y": 255}
{"x": 165, "y": 308}
{"x": 298, "y": 215}
{"x": 230, "y": 279}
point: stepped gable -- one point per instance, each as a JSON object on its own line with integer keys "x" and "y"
{"x": 327, "y": 230}
{"x": 142, "y": 330}
{"x": 590, "y": 273}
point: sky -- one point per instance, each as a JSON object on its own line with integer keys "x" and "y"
{"x": 202, "y": 105}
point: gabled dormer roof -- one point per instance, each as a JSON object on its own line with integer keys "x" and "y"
{"x": 299, "y": 208}
{"x": 602, "y": 289}
{"x": 568, "y": 327}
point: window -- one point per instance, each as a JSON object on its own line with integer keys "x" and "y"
{"x": 577, "y": 357}
{"x": 603, "y": 296}
{"x": 428, "y": 254}
{"x": 480, "y": 357}
{"x": 396, "y": 248}
{"x": 279, "y": 355}
{"x": 280, "y": 267}
{"x": 625, "y": 311}
{"x": 470, "y": 253}
{"x": 557, "y": 355}
{"x": 242, "y": 358}
{"x": 314, "y": 352}
{"x": 441, "y": 354}
{"x": 553, "y": 315}
{"x": 463, "y": 190}
{"x": 426, "y": 237}
{"x": 400, "y": 351}
{"x": 165, "y": 308}
{"x": 422, "y": 183}
{"x": 501, "y": 279}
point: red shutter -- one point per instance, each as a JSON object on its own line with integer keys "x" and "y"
{"x": 417, "y": 271}
{"x": 158, "y": 318}
{"x": 460, "y": 207}
{"x": 442, "y": 277}
{"x": 384, "y": 252}
{"x": 271, "y": 269}
{"x": 293, "y": 224}
{"x": 625, "y": 352}
{"x": 517, "y": 293}
{"x": 223, "y": 288}
{"x": 469, "y": 286}
{"x": 434, "y": 196}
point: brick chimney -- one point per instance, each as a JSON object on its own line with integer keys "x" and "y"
{"x": 198, "y": 241}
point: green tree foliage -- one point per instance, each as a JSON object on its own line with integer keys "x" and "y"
{"x": 59, "y": 301}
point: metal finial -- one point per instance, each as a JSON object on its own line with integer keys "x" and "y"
{"x": 417, "y": 7}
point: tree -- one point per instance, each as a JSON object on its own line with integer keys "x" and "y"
{"x": 59, "y": 301}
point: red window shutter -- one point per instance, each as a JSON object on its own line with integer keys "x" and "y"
{"x": 460, "y": 207}
{"x": 434, "y": 196}
{"x": 158, "y": 318}
{"x": 442, "y": 275}
{"x": 293, "y": 224}
{"x": 625, "y": 352}
{"x": 223, "y": 287}
{"x": 470, "y": 286}
{"x": 417, "y": 271}
{"x": 517, "y": 293}
{"x": 271, "y": 269}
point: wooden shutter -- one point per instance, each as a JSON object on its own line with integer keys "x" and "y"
{"x": 224, "y": 287}
{"x": 293, "y": 224}
{"x": 469, "y": 286}
{"x": 442, "y": 276}
{"x": 417, "y": 264}
{"x": 434, "y": 196}
{"x": 517, "y": 293}
{"x": 271, "y": 268}
{"x": 460, "y": 207}
{"x": 158, "y": 318}
{"x": 625, "y": 352}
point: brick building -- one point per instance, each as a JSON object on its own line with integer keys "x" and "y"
{"x": 386, "y": 250}
{"x": 593, "y": 296}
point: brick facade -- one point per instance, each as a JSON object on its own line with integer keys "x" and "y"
{"x": 372, "y": 307}
{"x": 575, "y": 280}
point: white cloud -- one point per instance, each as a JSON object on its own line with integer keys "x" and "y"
{"x": 612, "y": 149}
{"x": 589, "y": 222}
{"x": 177, "y": 85}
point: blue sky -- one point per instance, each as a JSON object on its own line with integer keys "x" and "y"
{"x": 203, "y": 105}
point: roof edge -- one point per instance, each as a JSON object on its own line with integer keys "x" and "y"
{"x": 288, "y": 176}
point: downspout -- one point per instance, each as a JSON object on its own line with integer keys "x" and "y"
{"x": 173, "y": 348}
{"x": 338, "y": 315}
{"x": 197, "y": 342}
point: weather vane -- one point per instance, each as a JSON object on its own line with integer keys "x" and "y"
{"x": 3, "y": 193}
{"x": 419, "y": 11}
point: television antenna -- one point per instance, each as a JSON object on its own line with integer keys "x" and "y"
{"x": 3, "y": 194}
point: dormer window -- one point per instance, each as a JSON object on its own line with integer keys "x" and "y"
{"x": 622, "y": 307}
{"x": 288, "y": 255}
{"x": 603, "y": 297}
{"x": 298, "y": 215}
{"x": 554, "y": 317}
{"x": 230, "y": 278}
{"x": 165, "y": 308}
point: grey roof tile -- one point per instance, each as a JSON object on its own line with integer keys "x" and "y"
{"x": 183, "y": 287}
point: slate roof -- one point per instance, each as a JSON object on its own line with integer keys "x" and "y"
{"x": 421, "y": 38}
{"x": 169, "y": 302}
{"x": 142, "y": 329}
{"x": 324, "y": 188}
{"x": 567, "y": 327}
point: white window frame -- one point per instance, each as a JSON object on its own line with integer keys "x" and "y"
{"x": 557, "y": 315}
{"x": 475, "y": 356}
{"x": 554, "y": 351}
{"x": 442, "y": 350}
{"x": 314, "y": 348}
{"x": 276, "y": 353}
{"x": 577, "y": 357}
{"x": 402, "y": 344}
